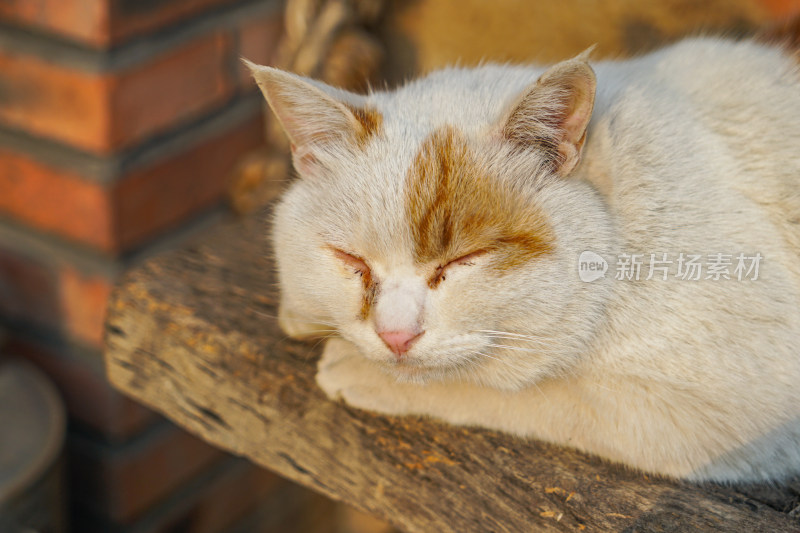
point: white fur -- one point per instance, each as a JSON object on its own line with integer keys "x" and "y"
{"x": 693, "y": 149}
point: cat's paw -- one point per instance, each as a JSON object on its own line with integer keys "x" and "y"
{"x": 345, "y": 374}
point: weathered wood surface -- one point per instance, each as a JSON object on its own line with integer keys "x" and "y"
{"x": 192, "y": 334}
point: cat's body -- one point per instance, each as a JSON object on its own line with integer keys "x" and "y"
{"x": 438, "y": 229}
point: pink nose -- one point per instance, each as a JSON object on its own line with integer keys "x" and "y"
{"x": 400, "y": 341}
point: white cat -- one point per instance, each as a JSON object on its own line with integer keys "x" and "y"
{"x": 438, "y": 228}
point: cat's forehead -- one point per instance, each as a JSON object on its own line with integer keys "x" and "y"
{"x": 465, "y": 98}
{"x": 454, "y": 205}
{"x": 441, "y": 202}
{"x": 422, "y": 190}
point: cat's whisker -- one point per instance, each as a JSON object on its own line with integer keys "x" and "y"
{"x": 604, "y": 387}
{"x": 316, "y": 344}
{"x": 516, "y": 337}
{"x": 513, "y": 367}
{"x": 543, "y": 350}
{"x": 510, "y": 334}
{"x": 529, "y": 341}
{"x": 487, "y": 355}
{"x": 509, "y": 364}
{"x": 312, "y": 322}
{"x": 516, "y": 348}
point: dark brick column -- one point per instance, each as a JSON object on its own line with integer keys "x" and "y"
{"x": 120, "y": 121}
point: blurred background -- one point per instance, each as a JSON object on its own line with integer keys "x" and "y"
{"x": 130, "y": 126}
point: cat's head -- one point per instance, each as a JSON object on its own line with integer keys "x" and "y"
{"x": 436, "y": 226}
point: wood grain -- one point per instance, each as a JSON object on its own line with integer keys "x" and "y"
{"x": 193, "y": 335}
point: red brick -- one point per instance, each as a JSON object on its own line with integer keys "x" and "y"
{"x": 258, "y": 41}
{"x": 55, "y": 201}
{"x": 179, "y": 85}
{"x": 88, "y": 396}
{"x": 53, "y": 294}
{"x": 102, "y": 113}
{"x": 28, "y": 288}
{"x": 101, "y": 23}
{"x": 148, "y": 201}
{"x": 84, "y": 20}
{"x": 83, "y": 300}
{"x": 122, "y": 484}
{"x": 54, "y": 101}
{"x": 138, "y": 206}
{"x": 223, "y": 501}
{"x": 134, "y": 17}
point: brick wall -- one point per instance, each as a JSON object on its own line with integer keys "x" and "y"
{"x": 120, "y": 121}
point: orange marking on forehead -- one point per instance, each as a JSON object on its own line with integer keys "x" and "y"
{"x": 369, "y": 121}
{"x": 456, "y": 208}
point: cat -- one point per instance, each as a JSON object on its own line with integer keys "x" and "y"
{"x": 508, "y": 247}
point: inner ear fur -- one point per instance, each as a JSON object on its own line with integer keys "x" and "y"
{"x": 553, "y": 113}
{"x": 311, "y": 116}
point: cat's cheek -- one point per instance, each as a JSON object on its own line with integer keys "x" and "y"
{"x": 298, "y": 327}
{"x": 461, "y": 297}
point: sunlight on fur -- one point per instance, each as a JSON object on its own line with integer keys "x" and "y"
{"x": 438, "y": 229}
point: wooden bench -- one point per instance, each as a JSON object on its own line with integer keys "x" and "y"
{"x": 193, "y": 335}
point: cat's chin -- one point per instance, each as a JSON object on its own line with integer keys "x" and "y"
{"x": 415, "y": 373}
{"x": 407, "y": 372}
{"x": 412, "y": 374}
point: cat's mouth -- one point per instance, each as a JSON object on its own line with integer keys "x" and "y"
{"x": 404, "y": 367}
{"x": 413, "y": 370}
{"x": 407, "y": 366}
{"x": 410, "y": 373}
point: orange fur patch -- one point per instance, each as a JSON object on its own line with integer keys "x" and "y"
{"x": 785, "y": 33}
{"x": 369, "y": 121}
{"x": 456, "y": 209}
{"x": 370, "y": 291}
{"x": 360, "y": 266}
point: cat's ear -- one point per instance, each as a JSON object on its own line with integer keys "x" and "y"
{"x": 553, "y": 113}
{"x": 313, "y": 118}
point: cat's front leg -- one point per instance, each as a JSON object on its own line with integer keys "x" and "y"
{"x": 345, "y": 374}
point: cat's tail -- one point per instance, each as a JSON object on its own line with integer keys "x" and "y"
{"x": 785, "y": 33}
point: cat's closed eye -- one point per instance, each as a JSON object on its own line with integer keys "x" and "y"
{"x": 441, "y": 271}
{"x": 358, "y": 265}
